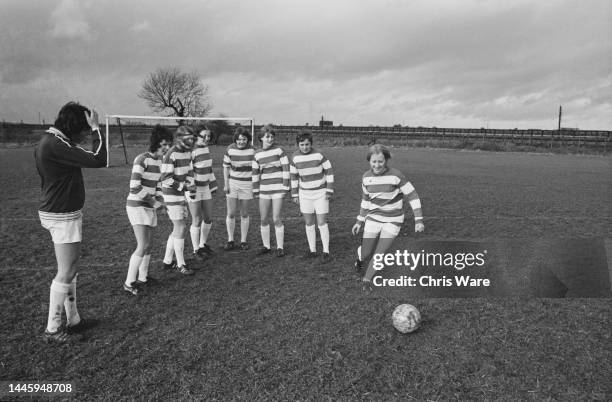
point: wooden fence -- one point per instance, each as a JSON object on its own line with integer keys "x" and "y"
{"x": 600, "y": 139}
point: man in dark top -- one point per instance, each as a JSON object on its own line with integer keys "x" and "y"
{"x": 59, "y": 160}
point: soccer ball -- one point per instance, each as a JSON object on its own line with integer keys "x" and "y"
{"x": 406, "y": 318}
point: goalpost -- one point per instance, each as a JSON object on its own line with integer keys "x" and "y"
{"x": 138, "y": 128}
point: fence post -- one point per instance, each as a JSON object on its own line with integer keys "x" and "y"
{"x": 551, "y": 139}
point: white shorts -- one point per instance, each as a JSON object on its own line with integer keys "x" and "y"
{"x": 385, "y": 230}
{"x": 201, "y": 194}
{"x": 177, "y": 212}
{"x": 243, "y": 190}
{"x": 64, "y": 227}
{"x": 319, "y": 206}
{"x": 273, "y": 196}
{"x": 142, "y": 216}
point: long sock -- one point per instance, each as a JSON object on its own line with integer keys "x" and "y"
{"x": 57, "y": 295}
{"x": 230, "y": 224}
{"x": 204, "y": 233}
{"x": 132, "y": 275}
{"x": 280, "y": 236}
{"x": 359, "y": 253}
{"x": 169, "y": 250}
{"x": 179, "y": 247}
{"x": 265, "y": 235}
{"x": 311, "y": 235}
{"x": 324, "y": 231}
{"x": 72, "y": 314}
{"x": 143, "y": 269}
{"x": 194, "y": 232}
{"x": 244, "y": 229}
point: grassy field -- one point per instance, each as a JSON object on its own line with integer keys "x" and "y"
{"x": 269, "y": 328}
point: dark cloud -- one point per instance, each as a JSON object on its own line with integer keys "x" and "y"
{"x": 379, "y": 61}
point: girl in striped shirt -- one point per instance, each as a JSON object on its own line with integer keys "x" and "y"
{"x": 237, "y": 173}
{"x": 270, "y": 184}
{"x": 144, "y": 198}
{"x": 200, "y": 206}
{"x": 382, "y": 210}
{"x": 312, "y": 185}
{"x": 176, "y": 182}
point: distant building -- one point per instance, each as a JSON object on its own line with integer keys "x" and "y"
{"x": 325, "y": 123}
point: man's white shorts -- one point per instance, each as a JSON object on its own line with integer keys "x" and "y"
{"x": 177, "y": 212}
{"x": 241, "y": 189}
{"x": 201, "y": 194}
{"x": 142, "y": 216}
{"x": 319, "y": 206}
{"x": 64, "y": 227}
{"x": 385, "y": 230}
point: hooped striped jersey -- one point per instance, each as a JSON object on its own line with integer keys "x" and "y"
{"x": 383, "y": 196}
{"x": 145, "y": 187}
{"x": 311, "y": 175}
{"x": 240, "y": 162}
{"x": 176, "y": 176}
{"x": 202, "y": 169}
{"x": 270, "y": 171}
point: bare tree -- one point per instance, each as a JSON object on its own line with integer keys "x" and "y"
{"x": 182, "y": 93}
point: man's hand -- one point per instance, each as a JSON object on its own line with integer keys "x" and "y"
{"x": 356, "y": 228}
{"x": 419, "y": 227}
{"x": 92, "y": 120}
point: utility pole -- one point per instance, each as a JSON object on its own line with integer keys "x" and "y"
{"x": 560, "y": 111}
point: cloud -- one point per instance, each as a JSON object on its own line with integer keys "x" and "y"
{"x": 69, "y": 21}
{"x": 412, "y": 62}
{"x": 141, "y": 26}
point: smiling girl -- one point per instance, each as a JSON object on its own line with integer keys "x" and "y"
{"x": 382, "y": 210}
{"x": 237, "y": 175}
{"x": 270, "y": 184}
{"x": 200, "y": 206}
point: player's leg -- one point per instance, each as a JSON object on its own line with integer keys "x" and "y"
{"x": 140, "y": 232}
{"x": 324, "y": 233}
{"x": 245, "y": 206}
{"x": 230, "y": 220}
{"x": 143, "y": 269}
{"x": 385, "y": 241}
{"x": 371, "y": 232}
{"x": 279, "y": 228}
{"x": 66, "y": 255}
{"x": 195, "y": 210}
{"x": 206, "y": 207}
{"x": 178, "y": 215}
{"x": 322, "y": 209}
{"x": 178, "y": 238}
{"x": 308, "y": 212}
{"x": 311, "y": 232}
{"x": 265, "y": 204}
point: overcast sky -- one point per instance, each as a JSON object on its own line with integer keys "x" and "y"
{"x": 462, "y": 63}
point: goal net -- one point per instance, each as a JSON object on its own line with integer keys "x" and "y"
{"x": 127, "y": 136}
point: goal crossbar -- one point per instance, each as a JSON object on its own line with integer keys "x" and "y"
{"x": 125, "y": 116}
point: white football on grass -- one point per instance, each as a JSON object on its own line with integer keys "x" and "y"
{"x": 406, "y": 318}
